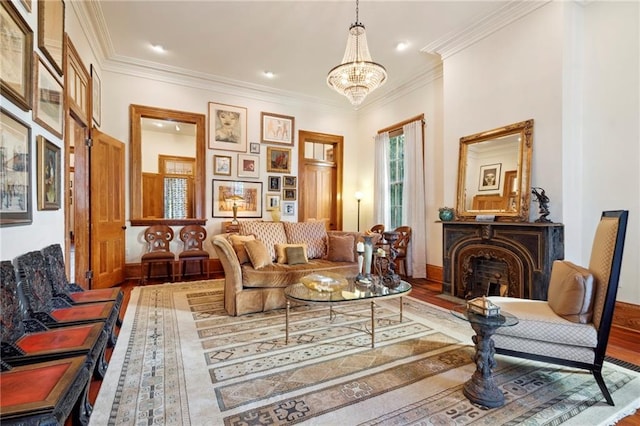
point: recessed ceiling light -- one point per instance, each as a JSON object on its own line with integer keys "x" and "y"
{"x": 269, "y": 74}
{"x": 158, "y": 48}
{"x": 403, "y": 45}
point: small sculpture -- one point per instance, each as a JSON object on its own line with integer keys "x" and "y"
{"x": 543, "y": 202}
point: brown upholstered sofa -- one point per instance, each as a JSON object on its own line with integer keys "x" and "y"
{"x": 266, "y": 257}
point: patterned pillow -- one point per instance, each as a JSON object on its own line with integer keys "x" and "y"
{"x": 571, "y": 290}
{"x": 312, "y": 233}
{"x": 270, "y": 233}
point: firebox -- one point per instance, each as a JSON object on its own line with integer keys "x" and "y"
{"x": 500, "y": 258}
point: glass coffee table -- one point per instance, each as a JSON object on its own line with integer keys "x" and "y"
{"x": 482, "y": 388}
{"x": 353, "y": 293}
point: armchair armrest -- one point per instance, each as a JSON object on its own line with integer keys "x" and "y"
{"x": 59, "y": 303}
{"x": 74, "y": 288}
{"x": 9, "y": 350}
{"x": 33, "y": 325}
{"x": 43, "y": 317}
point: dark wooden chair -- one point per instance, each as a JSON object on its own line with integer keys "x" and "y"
{"x": 548, "y": 332}
{"x": 71, "y": 292}
{"x": 402, "y": 246}
{"x": 46, "y": 393}
{"x": 193, "y": 238}
{"x": 53, "y": 312}
{"x": 158, "y": 238}
{"x": 378, "y": 229}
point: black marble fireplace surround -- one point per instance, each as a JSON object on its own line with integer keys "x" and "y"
{"x": 500, "y": 258}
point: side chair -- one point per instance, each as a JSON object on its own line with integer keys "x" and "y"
{"x": 402, "y": 247}
{"x": 193, "y": 238}
{"x": 572, "y": 326}
{"x": 158, "y": 238}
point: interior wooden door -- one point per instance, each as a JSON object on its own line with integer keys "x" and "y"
{"x": 107, "y": 210}
{"x": 320, "y": 178}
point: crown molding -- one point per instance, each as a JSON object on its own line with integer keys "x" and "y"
{"x": 454, "y": 42}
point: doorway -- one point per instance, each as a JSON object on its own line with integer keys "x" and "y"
{"x": 320, "y": 175}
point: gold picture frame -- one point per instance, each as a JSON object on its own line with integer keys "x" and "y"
{"x": 222, "y": 165}
{"x": 276, "y": 128}
{"x": 15, "y": 79}
{"x": 51, "y": 31}
{"x": 289, "y": 194}
{"x": 15, "y": 138}
{"x": 278, "y": 160}
{"x": 48, "y": 108}
{"x": 49, "y": 172}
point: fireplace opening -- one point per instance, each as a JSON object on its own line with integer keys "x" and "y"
{"x": 489, "y": 278}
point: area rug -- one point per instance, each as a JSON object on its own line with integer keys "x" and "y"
{"x": 180, "y": 360}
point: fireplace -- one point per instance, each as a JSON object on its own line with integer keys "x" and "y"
{"x": 500, "y": 258}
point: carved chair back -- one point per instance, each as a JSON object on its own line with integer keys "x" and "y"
{"x": 158, "y": 238}
{"x": 11, "y": 308}
{"x": 193, "y": 237}
{"x": 34, "y": 284}
{"x": 54, "y": 260}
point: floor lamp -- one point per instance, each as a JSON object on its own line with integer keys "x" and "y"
{"x": 358, "y": 197}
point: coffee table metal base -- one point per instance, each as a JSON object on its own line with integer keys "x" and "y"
{"x": 371, "y": 332}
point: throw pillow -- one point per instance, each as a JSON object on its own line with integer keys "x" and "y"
{"x": 271, "y": 233}
{"x": 258, "y": 254}
{"x": 296, "y": 255}
{"x": 281, "y": 254}
{"x": 340, "y": 248}
{"x": 571, "y": 291}
{"x": 312, "y": 233}
{"x": 237, "y": 242}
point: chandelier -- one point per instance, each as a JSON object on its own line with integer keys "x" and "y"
{"x": 357, "y": 75}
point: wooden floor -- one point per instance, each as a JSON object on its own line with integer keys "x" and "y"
{"x": 623, "y": 344}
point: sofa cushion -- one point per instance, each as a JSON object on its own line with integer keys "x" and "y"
{"x": 237, "y": 242}
{"x": 296, "y": 255}
{"x": 281, "y": 254}
{"x": 340, "y": 248}
{"x": 258, "y": 253}
{"x": 270, "y": 233}
{"x": 312, "y": 233}
{"x": 283, "y": 275}
{"x": 571, "y": 290}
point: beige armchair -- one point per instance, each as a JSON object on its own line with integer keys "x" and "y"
{"x": 572, "y": 327}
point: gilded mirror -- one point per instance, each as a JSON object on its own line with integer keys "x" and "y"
{"x": 167, "y": 166}
{"x": 494, "y": 172}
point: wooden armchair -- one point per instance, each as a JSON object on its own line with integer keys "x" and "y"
{"x": 158, "y": 238}
{"x": 572, "y": 327}
{"x": 402, "y": 246}
{"x": 53, "y": 312}
{"x": 193, "y": 238}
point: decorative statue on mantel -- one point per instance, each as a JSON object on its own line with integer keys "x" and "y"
{"x": 543, "y": 202}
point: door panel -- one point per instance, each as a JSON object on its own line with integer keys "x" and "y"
{"x": 107, "y": 210}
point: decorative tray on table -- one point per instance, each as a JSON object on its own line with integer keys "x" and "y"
{"x": 325, "y": 282}
{"x": 483, "y": 306}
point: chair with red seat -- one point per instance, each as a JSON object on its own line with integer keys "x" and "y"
{"x": 193, "y": 237}
{"x": 158, "y": 238}
{"x": 53, "y": 312}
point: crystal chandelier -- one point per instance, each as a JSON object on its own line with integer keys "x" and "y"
{"x": 357, "y": 75}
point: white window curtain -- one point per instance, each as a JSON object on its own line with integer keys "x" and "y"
{"x": 381, "y": 197}
{"x": 414, "y": 198}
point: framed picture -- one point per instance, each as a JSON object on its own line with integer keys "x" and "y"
{"x": 47, "y": 98}
{"x": 248, "y": 166}
{"x": 227, "y": 127}
{"x": 276, "y": 128}
{"x": 289, "y": 181}
{"x": 17, "y": 54}
{"x": 288, "y": 208}
{"x": 222, "y": 165}
{"x": 96, "y": 96}
{"x": 15, "y": 181}
{"x": 49, "y": 180}
{"x": 254, "y": 148}
{"x": 247, "y": 197}
{"x": 274, "y": 183}
{"x": 273, "y": 202}
{"x": 51, "y": 31}
{"x": 26, "y": 4}
{"x": 278, "y": 160}
{"x": 490, "y": 177}
{"x": 289, "y": 194}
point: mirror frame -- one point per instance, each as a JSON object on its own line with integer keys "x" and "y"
{"x": 136, "y": 113}
{"x": 521, "y": 214}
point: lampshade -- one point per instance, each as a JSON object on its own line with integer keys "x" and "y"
{"x": 357, "y": 75}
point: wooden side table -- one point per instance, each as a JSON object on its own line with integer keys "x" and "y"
{"x": 230, "y": 228}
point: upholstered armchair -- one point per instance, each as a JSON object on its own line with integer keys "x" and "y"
{"x": 572, "y": 326}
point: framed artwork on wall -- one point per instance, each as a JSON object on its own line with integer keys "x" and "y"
{"x": 49, "y": 175}
{"x": 254, "y": 148}
{"x": 276, "y": 128}
{"x": 15, "y": 79}
{"x": 274, "y": 183}
{"x": 227, "y": 127}
{"x": 96, "y": 96}
{"x": 278, "y": 160}
{"x": 51, "y": 31}
{"x": 47, "y": 100}
{"x": 246, "y": 195}
{"x": 289, "y": 181}
{"x": 490, "y": 177}
{"x": 222, "y": 165}
{"x": 289, "y": 194}
{"x": 288, "y": 208}
{"x": 273, "y": 202}
{"x": 15, "y": 186}
{"x": 248, "y": 166}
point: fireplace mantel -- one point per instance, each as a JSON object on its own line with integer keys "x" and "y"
{"x": 522, "y": 252}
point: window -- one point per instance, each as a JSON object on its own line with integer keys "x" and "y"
{"x": 396, "y": 177}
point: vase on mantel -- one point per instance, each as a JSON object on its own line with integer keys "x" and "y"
{"x": 446, "y": 214}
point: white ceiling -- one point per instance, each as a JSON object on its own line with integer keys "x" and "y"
{"x": 299, "y": 41}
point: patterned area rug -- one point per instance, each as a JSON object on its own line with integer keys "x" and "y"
{"x": 180, "y": 360}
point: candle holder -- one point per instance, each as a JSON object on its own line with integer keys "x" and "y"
{"x": 368, "y": 254}
{"x": 360, "y": 251}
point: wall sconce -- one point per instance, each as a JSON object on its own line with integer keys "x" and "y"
{"x": 359, "y": 198}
